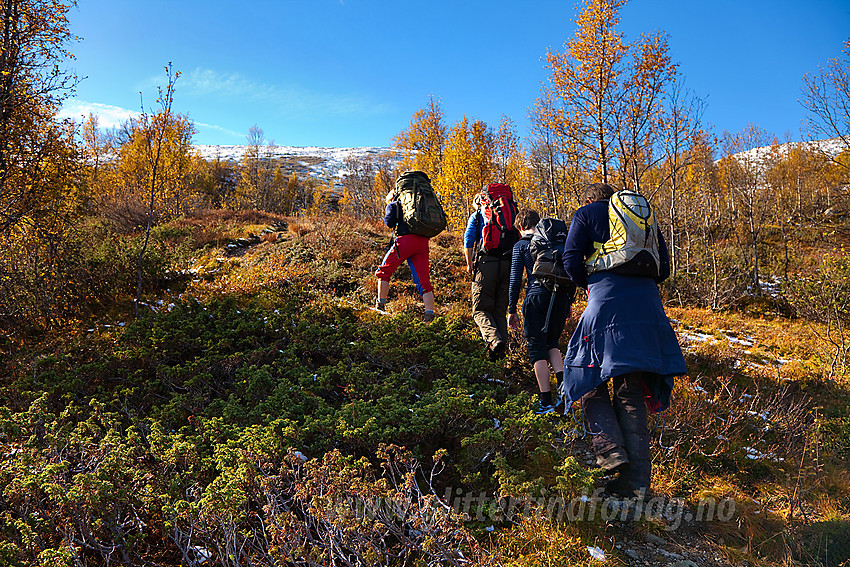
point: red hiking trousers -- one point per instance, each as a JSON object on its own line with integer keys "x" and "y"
{"x": 411, "y": 246}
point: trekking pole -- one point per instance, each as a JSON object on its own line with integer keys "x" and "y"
{"x": 549, "y": 311}
{"x": 395, "y": 243}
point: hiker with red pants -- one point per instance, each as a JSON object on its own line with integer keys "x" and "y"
{"x": 623, "y": 337}
{"x": 409, "y": 247}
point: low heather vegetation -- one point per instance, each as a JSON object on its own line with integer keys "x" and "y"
{"x": 259, "y": 412}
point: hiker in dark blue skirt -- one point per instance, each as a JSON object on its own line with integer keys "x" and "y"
{"x": 623, "y": 337}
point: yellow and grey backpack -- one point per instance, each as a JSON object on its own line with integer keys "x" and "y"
{"x": 632, "y": 248}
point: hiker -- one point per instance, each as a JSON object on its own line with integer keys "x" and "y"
{"x": 544, "y": 312}
{"x": 488, "y": 243}
{"x": 623, "y": 337}
{"x": 406, "y": 246}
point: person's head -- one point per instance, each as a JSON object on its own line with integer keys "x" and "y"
{"x": 597, "y": 192}
{"x": 526, "y": 219}
{"x": 391, "y": 196}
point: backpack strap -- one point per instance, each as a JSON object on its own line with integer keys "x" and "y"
{"x": 479, "y": 226}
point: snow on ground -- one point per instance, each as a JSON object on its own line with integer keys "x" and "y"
{"x": 740, "y": 343}
{"x": 332, "y": 163}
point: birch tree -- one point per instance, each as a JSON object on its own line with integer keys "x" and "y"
{"x": 467, "y": 166}
{"x": 511, "y": 162}
{"x": 153, "y": 136}
{"x": 743, "y": 174}
{"x": 34, "y": 39}
{"x": 584, "y": 83}
{"x": 826, "y": 97}
{"x": 423, "y": 143}
{"x": 608, "y": 97}
{"x": 39, "y": 161}
{"x": 681, "y": 134}
{"x": 257, "y": 187}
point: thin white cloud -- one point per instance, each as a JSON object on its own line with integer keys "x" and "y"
{"x": 240, "y": 135}
{"x": 108, "y": 116}
{"x": 208, "y": 82}
{"x": 289, "y": 101}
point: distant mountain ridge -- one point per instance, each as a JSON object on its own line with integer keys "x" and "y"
{"x": 831, "y": 147}
{"x": 328, "y": 163}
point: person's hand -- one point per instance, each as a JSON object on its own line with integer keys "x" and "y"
{"x": 513, "y": 321}
{"x": 469, "y": 269}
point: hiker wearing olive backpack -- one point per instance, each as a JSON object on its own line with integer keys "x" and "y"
{"x": 414, "y": 212}
{"x": 615, "y": 251}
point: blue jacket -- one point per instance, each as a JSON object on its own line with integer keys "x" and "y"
{"x": 474, "y": 228}
{"x": 623, "y": 329}
{"x": 589, "y": 225}
{"x": 394, "y": 218}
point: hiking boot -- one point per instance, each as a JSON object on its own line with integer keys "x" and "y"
{"x": 626, "y": 484}
{"x": 543, "y": 409}
{"x": 619, "y": 487}
{"x": 381, "y": 305}
{"x": 497, "y": 351}
{"x": 623, "y": 488}
{"x": 428, "y": 317}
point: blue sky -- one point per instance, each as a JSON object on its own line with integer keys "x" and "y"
{"x": 341, "y": 73}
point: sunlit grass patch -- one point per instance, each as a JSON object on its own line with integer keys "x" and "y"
{"x": 535, "y": 542}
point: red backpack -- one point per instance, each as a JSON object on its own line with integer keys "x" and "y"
{"x": 499, "y": 209}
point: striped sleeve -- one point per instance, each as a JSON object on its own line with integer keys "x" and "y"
{"x": 521, "y": 261}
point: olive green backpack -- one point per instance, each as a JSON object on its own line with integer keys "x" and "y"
{"x": 420, "y": 205}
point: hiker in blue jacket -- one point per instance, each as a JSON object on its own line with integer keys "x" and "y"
{"x": 542, "y": 345}
{"x": 623, "y": 337}
{"x": 490, "y": 280}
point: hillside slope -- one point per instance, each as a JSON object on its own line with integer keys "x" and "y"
{"x": 260, "y": 412}
{"x": 323, "y": 163}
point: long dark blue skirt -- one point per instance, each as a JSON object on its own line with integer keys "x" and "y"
{"x": 623, "y": 329}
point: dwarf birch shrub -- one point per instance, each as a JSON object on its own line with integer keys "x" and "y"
{"x": 756, "y": 431}
{"x": 826, "y": 299}
{"x": 196, "y": 404}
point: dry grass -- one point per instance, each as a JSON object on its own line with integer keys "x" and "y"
{"x": 301, "y": 227}
{"x": 226, "y": 216}
{"x": 536, "y": 541}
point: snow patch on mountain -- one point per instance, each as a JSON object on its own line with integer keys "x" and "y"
{"x": 331, "y": 164}
{"x": 831, "y": 147}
